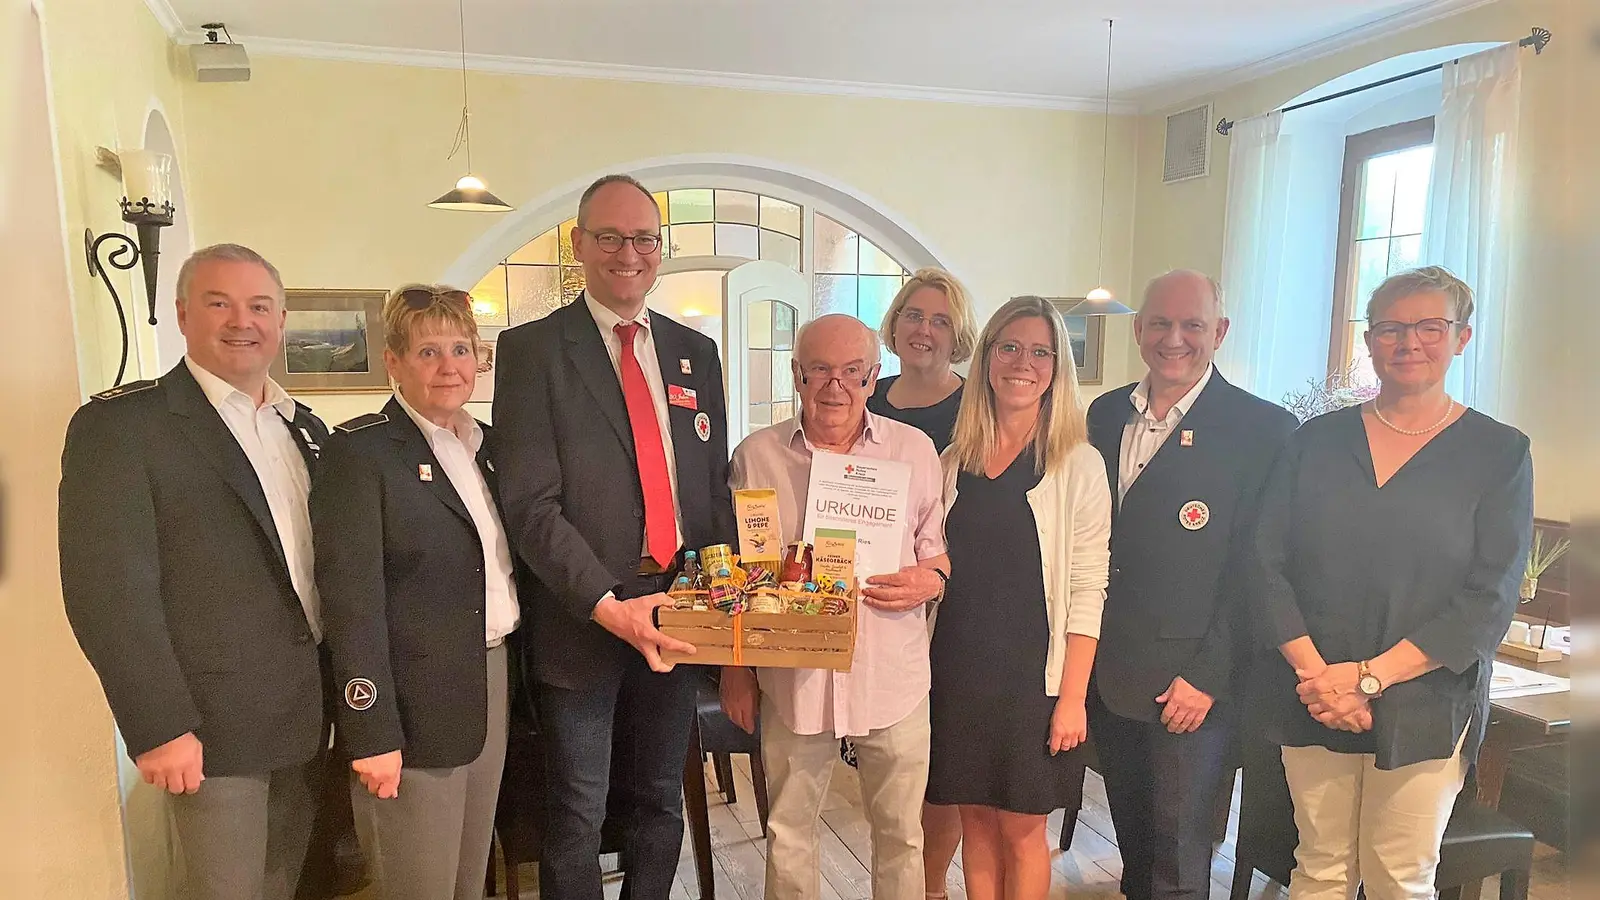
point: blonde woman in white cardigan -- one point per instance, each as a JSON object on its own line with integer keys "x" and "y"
{"x": 1028, "y": 528}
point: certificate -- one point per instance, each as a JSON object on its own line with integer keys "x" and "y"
{"x": 867, "y": 496}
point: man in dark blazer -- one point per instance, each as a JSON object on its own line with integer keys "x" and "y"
{"x": 187, "y": 573}
{"x": 613, "y": 456}
{"x": 1186, "y": 453}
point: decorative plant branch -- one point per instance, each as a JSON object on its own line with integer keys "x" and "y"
{"x": 1337, "y": 391}
{"x": 1541, "y": 556}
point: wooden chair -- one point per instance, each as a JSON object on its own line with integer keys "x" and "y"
{"x": 721, "y": 739}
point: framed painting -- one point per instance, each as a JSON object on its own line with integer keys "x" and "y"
{"x": 483, "y": 388}
{"x": 1086, "y": 334}
{"x": 332, "y": 342}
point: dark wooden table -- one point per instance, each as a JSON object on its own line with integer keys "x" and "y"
{"x": 1521, "y": 723}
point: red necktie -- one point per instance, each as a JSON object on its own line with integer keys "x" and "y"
{"x": 660, "y": 524}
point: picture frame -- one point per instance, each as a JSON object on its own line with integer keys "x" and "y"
{"x": 332, "y": 342}
{"x": 483, "y": 387}
{"x": 1087, "y": 336}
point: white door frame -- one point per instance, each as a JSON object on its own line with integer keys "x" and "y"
{"x": 754, "y": 281}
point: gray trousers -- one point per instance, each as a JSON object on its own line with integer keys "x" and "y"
{"x": 244, "y": 837}
{"x": 432, "y": 841}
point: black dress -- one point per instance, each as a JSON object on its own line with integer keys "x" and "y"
{"x": 989, "y": 712}
{"x": 937, "y": 421}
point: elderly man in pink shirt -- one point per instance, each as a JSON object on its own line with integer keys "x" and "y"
{"x": 882, "y": 702}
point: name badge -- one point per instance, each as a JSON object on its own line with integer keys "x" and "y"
{"x": 682, "y": 396}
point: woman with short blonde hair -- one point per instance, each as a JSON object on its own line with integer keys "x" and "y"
{"x": 928, "y": 327}
{"x": 1028, "y": 530}
{"x": 419, "y": 595}
{"x": 1384, "y": 571}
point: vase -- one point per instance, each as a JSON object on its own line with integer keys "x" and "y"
{"x": 1530, "y": 588}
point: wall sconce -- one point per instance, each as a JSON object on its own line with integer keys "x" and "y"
{"x": 146, "y": 205}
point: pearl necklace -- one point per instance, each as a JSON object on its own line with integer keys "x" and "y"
{"x": 1413, "y": 432}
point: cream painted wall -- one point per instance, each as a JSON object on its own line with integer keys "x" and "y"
{"x": 326, "y": 168}
{"x": 1181, "y": 224}
{"x": 110, "y": 65}
{"x": 60, "y": 829}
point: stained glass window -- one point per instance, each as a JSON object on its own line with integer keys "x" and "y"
{"x": 853, "y": 276}
{"x": 543, "y": 275}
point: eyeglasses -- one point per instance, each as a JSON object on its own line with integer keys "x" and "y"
{"x": 1429, "y": 331}
{"x": 851, "y": 378}
{"x": 611, "y": 242}
{"x": 1010, "y": 351}
{"x": 914, "y": 317}
{"x": 422, "y": 298}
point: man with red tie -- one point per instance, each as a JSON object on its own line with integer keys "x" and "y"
{"x": 614, "y": 459}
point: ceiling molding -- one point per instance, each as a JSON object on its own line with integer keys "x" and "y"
{"x": 167, "y": 17}
{"x": 514, "y": 65}
{"x": 1165, "y": 98}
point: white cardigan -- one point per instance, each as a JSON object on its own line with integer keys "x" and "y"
{"x": 1072, "y": 507}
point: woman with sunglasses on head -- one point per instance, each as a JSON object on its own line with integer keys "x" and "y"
{"x": 416, "y": 578}
{"x": 929, "y": 327}
{"x": 1385, "y": 569}
{"x": 1028, "y": 532}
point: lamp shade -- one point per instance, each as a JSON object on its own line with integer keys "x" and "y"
{"x": 471, "y": 195}
{"x": 1100, "y": 303}
{"x": 147, "y": 183}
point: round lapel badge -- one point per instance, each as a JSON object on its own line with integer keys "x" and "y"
{"x": 360, "y": 694}
{"x": 702, "y": 427}
{"x": 1194, "y": 515}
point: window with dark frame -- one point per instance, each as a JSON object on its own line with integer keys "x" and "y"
{"x": 1383, "y": 197}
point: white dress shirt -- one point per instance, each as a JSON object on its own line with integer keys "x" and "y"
{"x": 1144, "y": 434}
{"x": 644, "y": 351}
{"x": 456, "y": 448}
{"x": 263, "y": 434}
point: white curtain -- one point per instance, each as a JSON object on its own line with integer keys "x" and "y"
{"x": 1253, "y": 251}
{"x": 1471, "y": 199}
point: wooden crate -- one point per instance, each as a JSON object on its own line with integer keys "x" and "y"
{"x": 774, "y": 640}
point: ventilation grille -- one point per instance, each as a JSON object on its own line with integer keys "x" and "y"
{"x": 1188, "y": 145}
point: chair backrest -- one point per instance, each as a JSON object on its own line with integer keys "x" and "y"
{"x": 1267, "y": 835}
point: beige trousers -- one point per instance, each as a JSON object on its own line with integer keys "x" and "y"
{"x": 1362, "y": 825}
{"x": 893, "y": 766}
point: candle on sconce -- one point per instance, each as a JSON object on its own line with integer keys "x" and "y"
{"x": 147, "y": 175}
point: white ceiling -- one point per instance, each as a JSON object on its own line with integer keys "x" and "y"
{"x": 1013, "y": 52}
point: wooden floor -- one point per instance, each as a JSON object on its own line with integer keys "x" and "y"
{"x": 1089, "y": 869}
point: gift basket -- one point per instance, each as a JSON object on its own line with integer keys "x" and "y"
{"x": 756, "y": 608}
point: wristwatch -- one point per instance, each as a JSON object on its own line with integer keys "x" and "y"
{"x": 1368, "y": 683}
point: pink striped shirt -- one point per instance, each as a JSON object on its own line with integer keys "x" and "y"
{"x": 889, "y": 676}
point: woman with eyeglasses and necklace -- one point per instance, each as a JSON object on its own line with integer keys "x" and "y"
{"x": 1385, "y": 569}
{"x": 418, "y": 592}
{"x": 1028, "y": 530}
{"x": 929, "y": 327}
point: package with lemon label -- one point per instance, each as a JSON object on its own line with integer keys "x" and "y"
{"x": 760, "y": 534}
